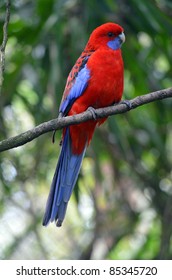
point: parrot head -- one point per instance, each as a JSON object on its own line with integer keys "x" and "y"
{"x": 107, "y": 35}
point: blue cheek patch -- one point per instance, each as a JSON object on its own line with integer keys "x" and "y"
{"x": 114, "y": 44}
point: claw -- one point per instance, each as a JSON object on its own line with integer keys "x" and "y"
{"x": 127, "y": 103}
{"x": 93, "y": 112}
{"x": 54, "y": 132}
{"x": 53, "y": 136}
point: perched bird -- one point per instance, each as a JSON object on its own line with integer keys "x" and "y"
{"x": 95, "y": 81}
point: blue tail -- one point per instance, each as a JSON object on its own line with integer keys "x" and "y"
{"x": 64, "y": 180}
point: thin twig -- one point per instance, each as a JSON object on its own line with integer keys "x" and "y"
{"x": 59, "y": 123}
{"x": 4, "y": 41}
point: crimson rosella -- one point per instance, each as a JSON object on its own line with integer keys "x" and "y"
{"x": 96, "y": 81}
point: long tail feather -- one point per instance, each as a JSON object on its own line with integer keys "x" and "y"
{"x": 64, "y": 180}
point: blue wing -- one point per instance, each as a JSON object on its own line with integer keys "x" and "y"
{"x": 76, "y": 84}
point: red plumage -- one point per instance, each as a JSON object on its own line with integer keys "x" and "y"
{"x": 96, "y": 80}
{"x": 105, "y": 85}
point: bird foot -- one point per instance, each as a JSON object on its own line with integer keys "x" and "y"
{"x": 53, "y": 136}
{"x": 54, "y": 131}
{"x": 127, "y": 103}
{"x": 93, "y": 112}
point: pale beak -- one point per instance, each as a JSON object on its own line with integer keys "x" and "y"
{"x": 122, "y": 37}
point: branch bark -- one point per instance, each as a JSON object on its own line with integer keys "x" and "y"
{"x": 59, "y": 123}
{"x": 4, "y": 41}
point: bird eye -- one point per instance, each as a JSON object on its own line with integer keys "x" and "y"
{"x": 110, "y": 34}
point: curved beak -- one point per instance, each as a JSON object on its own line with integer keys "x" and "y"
{"x": 122, "y": 37}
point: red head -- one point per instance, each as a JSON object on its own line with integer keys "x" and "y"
{"x": 106, "y": 35}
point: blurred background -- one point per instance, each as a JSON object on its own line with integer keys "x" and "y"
{"x": 122, "y": 204}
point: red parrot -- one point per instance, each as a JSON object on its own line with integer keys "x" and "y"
{"x": 95, "y": 81}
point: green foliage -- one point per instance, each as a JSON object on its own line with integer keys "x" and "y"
{"x": 121, "y": 208}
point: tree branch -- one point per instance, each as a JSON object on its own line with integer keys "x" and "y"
{"x": 59, "y": 123}
{"x": 4, "y": 41}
